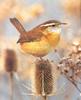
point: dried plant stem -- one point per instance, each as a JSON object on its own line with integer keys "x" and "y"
{"x": 32, "y": 98}
{"x": 11, "y": 85}
{"x": 44, "y": 97}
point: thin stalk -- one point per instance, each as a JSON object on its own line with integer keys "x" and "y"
{"x": 11, "y": 85}
{"x": 44, "y": 97}
{"x": 32, "y": 98}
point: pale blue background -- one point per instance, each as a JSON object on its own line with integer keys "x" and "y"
{"x": 53, "y": 10}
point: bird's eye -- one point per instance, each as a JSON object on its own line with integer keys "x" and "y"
{"x": 53, "y": 25}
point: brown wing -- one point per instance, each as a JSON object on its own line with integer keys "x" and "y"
{"x": 33, "y": 35}
{"x": 30, "y": 36}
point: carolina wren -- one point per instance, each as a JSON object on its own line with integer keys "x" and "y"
{"x": 40, "y": 40}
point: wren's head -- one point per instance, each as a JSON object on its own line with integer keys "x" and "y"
{"x": 52, "y": 29}
{"x": 51, "y": 26}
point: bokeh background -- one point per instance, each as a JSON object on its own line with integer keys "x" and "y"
{"x": 32, "y": 13}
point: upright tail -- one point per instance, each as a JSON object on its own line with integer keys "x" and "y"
{"x": 18, "y": 26}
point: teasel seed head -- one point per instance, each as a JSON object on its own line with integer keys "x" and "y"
{"x": 10, "y": 62}
{"x": 44, "y": 78}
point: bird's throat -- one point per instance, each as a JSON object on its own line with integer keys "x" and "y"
{"x": 53, "y": 39}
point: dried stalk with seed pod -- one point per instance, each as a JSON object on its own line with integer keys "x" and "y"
{"x": 10, "y": 67}
{"x": 44, "y": 76}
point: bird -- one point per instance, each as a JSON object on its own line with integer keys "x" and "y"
{"x": 40, "y": 40}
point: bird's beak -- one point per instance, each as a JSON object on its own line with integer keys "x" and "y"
{"x": 62, "y": 23}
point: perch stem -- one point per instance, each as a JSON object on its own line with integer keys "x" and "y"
{"x": 44, "y": 97}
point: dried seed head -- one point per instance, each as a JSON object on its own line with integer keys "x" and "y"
{"x": 10, "y": 60}
{"x": 71, "y": 67}
{"x": 76, "y": 47}
{"x": 45, "y": 78}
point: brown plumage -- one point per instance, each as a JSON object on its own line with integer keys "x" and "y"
{"x": 35, "y": 33}
{"x": 25, "y": 36}
{"x": 40, "y": 40}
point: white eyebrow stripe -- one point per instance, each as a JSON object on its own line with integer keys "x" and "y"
{"x": 57, "y": 30}
{"x": 48, "y": 24}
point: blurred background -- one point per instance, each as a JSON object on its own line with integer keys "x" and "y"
{"x": 32, "y": 13}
